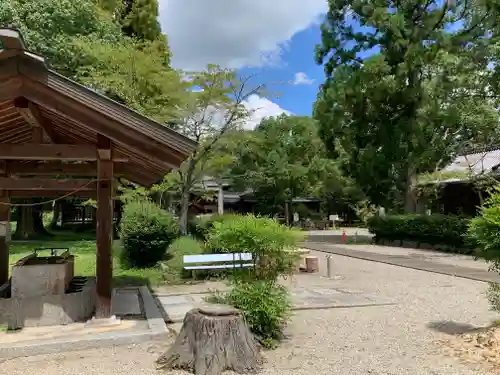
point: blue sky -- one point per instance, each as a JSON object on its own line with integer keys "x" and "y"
{"x": 297, "y": 57}
{"x": 271, "y": 40}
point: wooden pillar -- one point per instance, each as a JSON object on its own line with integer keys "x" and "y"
{"x": 104, "y": 231}
{"x": 4, "y": 229}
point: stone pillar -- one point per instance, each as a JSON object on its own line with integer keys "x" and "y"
{"x": 220, "y": 200}
{"x": 104, "y": 230}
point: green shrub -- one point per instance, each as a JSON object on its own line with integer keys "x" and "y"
{"x": 431, "y": 229}
{"x": 200, "y": 227}
{"x": 484, "y": 234}
{"x": 484, "y": 229}
{"x": 270, "y": 243}
{"x": 146, "y": 232}
{"x": 266, "y": 307}
{"x": 175, "y": 263}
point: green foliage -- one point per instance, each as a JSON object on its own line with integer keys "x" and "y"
{"x": 50, "y": 27}
{"x": 138, "y": 18}
{"x": 184, "y": 245}
{"x": 146, "y": 232}
{"x": 201, "y": 227}
{"x": 406, "y": 91}
{"x": 136, "y": 74}
{"x": 215, "y": 107}
{"x": 365, "y": 210}
{"x": 493, "y": 295}
{"x": 271, "y": 243}
{"x": 284, "y": 158}
{"x": 430, "y": 229}
{"x": 265, "y": 306}
{"x": 484, "y": 229}
{"x": 484, "y": 232}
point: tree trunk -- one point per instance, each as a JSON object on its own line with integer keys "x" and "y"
{"x": 481, "y": 198}
{"x": 30, "y": 223}
{"x": 212, "y": 340}
{"x": 184, "y": 208}
{"x": 287, "y": 213}
{"x": 187, "y": 182}
{"x": 40, "y": 230}
{"x": 410, "y": 195}
{"x": 56, "y": 215}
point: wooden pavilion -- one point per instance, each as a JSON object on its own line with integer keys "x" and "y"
{"x": 58, "y": 137}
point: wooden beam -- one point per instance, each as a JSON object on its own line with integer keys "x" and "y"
{"x": 31, "y": 114}
{"x": 60, "y": 169}
{"x": 112, "y": 127}
{"x": 51, "y": 194}
{"x": 26, "y": 151}
{"x": 32, "y": 168}
{"x": 10, "y": 88}
{"x": 104, "y": 231}
{"x": 9, "y": 183}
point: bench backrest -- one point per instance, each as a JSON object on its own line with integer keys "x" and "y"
{"x": 209, "y": 258}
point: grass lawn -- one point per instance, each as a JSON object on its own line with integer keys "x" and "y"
{"x": 83, "y": 247}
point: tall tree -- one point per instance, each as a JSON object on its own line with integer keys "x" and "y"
{"x": 139, "y": 18}
{"x": 135, "y": 74}
{"x": 284, "y": 159}
{"x": 398, "y": 75}
{"x": 50, "y": 26}
{"x": 216, "y": 107}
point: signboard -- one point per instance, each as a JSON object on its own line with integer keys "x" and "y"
{"x": 296, "y": 217}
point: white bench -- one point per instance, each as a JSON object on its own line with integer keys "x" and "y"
{"x": 217, "y": 261}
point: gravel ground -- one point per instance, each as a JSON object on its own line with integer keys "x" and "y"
{"x": 435, "y": 256}
{"x": 387, "y": 340}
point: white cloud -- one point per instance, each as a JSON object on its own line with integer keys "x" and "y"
{"x": 234, "y": 33}
{"x": 301, "y": 78}
{"x": 261, "y": 108}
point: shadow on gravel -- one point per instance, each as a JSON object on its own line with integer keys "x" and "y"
{"x": 453, "y": 328}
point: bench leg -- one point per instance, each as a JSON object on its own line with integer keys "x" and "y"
{"x": 193, "y": 274}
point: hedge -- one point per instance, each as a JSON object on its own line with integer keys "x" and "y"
{"x": 430, "y": 229}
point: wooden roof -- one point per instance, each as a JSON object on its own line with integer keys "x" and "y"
{"x": 70, "y": 113}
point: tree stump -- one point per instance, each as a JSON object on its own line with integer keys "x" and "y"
{"x": 213, "y": 339}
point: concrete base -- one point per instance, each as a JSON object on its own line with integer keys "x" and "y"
{"x": 103, "y": 322}
{"x": 49, "y": 310}
{"x": 155, "y": 329}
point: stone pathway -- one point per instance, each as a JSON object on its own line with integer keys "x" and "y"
{"x": 403, "y": 259}
{"x": 177, "y": 306}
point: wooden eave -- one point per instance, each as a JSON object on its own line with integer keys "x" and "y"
{"x": 74, "y": 114}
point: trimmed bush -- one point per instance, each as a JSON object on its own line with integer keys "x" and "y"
{"x": 200, "y": 227}
{"x": 146, "y": 232}
{"x": 270, "y": 242}
{"x": 431, "y": 229}
{"x": 265, "y": 306}
{"x": 175, "y": 263}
